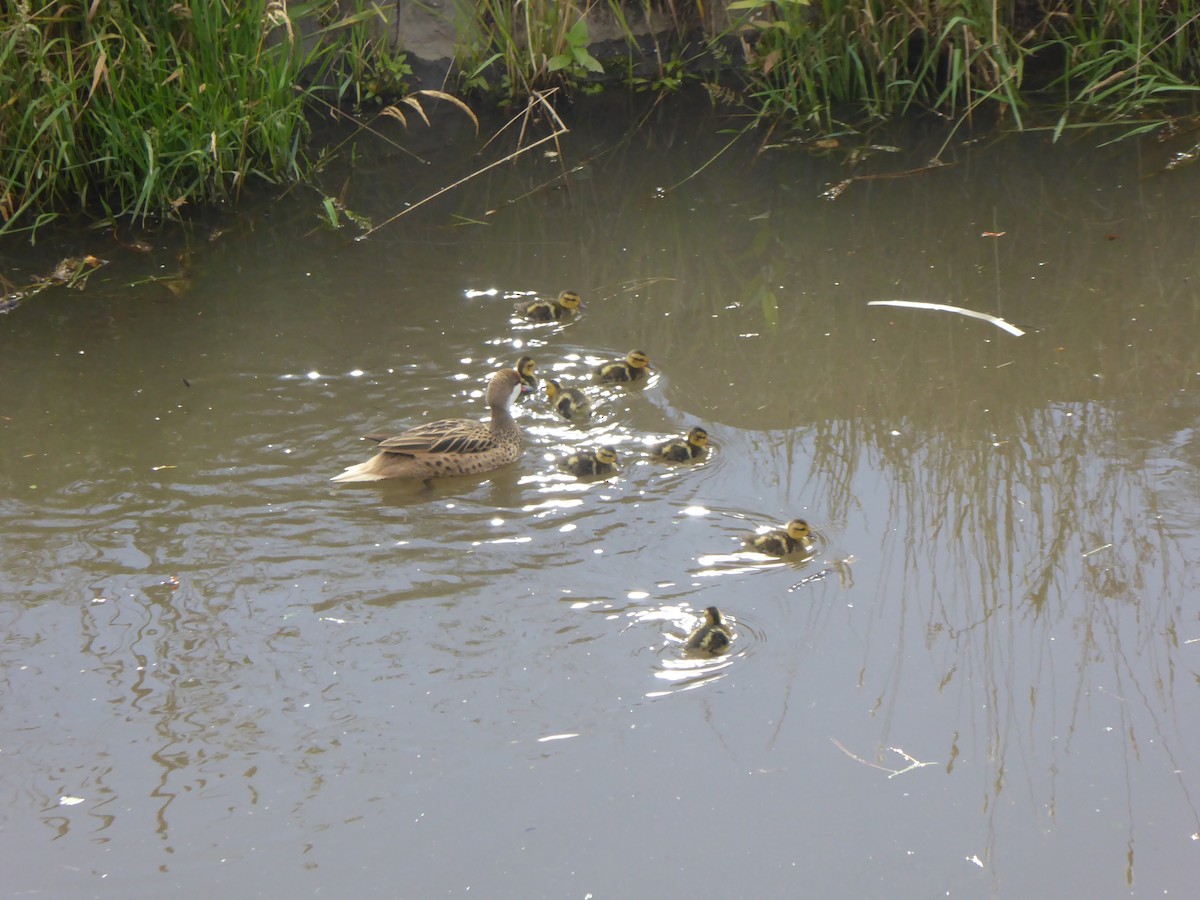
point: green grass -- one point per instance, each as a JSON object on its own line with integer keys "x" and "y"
{"x": 879, "y": 58}
{"x": 136, "y": 108}
{"x": 1121, "y": 58}
{"x": 144, "y": 107}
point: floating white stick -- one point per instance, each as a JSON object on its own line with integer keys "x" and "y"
{"x": 918, "y": 304}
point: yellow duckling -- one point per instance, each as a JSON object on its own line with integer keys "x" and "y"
{"x": 570, "y": 403}
{"x": 632, "y": 368}
{"x": 449, "y": 446}
{"x": 783, "y": 541}
{"x": 683, "y": 449}
{"x": 543, "y": 310}
{"x": 527, "y": 369}
{"x": 711, "y": 637}
{"x": 601, "y": 463}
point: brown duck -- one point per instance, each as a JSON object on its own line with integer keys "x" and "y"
{"x": 449, "y": 446}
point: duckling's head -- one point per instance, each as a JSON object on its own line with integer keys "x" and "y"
{"x": 606, "y": 455}
{"x": 526, "y": 367}
{"x": 712, "y": 616}
{"x": 569, "y": 300}
{"x": 798, "y": 530}
{"x": 637, "y": 359}
{"x": 698, "y": 437}
{"x": 553, "y": 388}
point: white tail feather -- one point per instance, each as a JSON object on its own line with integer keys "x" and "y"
{"x": 359, "y": 472}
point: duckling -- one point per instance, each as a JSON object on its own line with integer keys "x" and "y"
{"x": 683, "y": 449}
{"x": 711, "y": 637}
{"x": 601, "y": 462}
{"x": 632, "y": 368}
{"x": 527, "y": 369}
{"x": 449, "y": 446}
{"x": 783, "y": 541}
{"x": 543, "y": 310}
{"x": 570, "y": 403}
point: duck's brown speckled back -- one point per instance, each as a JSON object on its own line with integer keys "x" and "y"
{"x": 449, "y": 446}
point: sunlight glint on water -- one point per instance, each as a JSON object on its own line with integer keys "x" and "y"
{"x": 227, "y": 664}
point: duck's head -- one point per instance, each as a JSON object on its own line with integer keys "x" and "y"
{"x": 526, "y": 367}
{"x": 553, "y": 389}
{"x": 798, "y": 530}
{"x": 569, "y": 300}
{"x": 698, "y": 437}
{"x": 637, "y": 359}
{"x": 712, "y": 616}
{"x": 505, "y": 386}
{"x": 606, "y": 455}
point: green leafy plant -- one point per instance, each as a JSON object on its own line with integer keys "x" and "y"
{"x": 518, "y": 48}
{"x": 575, "y": 56}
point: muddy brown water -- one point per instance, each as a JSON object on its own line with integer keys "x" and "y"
{"x": 223, "y": 673}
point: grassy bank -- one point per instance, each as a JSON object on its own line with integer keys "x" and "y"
{"x": 1088, "y": 59}
{"x": 811, "y": 61}
{"x": 135, "y": 108}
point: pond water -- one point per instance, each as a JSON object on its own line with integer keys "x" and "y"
{"x": 225, "y": 674}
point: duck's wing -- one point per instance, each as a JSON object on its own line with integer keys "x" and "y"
{"x": 442, "y": 436}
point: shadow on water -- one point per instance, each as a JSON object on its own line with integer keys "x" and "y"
{"x": 979, "y": 682}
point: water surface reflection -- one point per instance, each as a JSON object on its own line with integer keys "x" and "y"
{"x": 219, "y": 664}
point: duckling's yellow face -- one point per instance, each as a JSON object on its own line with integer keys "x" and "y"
{"x": 552, "y": 388}
{"x": 698, "y": 437}
{"x": 637, "y": 360}
{"x": 798, "y": 530}
{"x": 606, "y": 455}
{"x": 569, "y": 300}
{"x": 526, "y": 366}
{"x": 712, "y": 616}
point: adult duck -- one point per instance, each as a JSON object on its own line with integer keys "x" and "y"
{"x": 449, "y": 446}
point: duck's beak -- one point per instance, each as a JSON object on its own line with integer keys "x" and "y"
{"x": 526, "y": 389}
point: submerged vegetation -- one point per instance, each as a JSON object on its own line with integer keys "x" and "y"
{"x": 134, "y": 108}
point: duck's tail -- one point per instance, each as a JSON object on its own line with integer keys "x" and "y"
{"x": 360, "y": 472}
